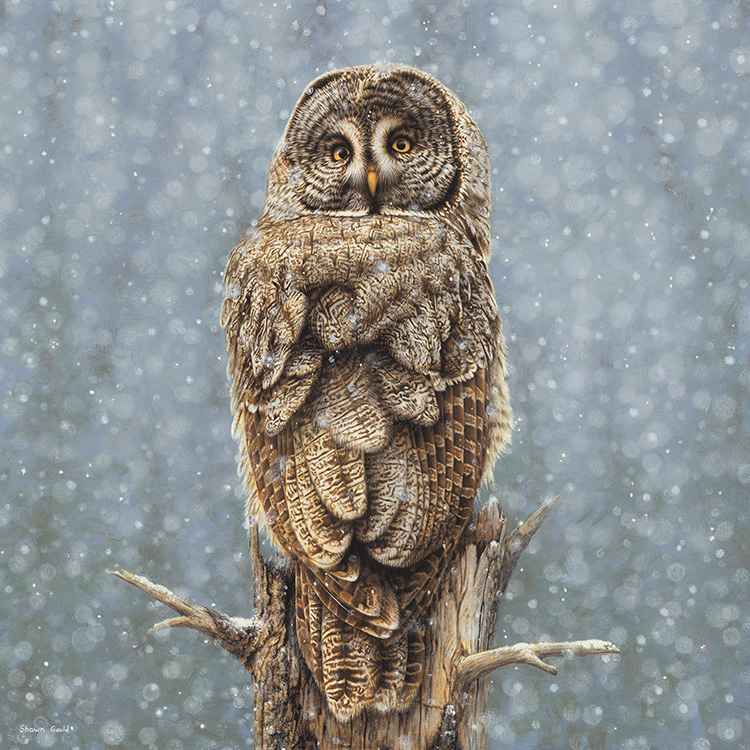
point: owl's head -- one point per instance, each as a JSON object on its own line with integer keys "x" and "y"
{"x": 379, "y": 139}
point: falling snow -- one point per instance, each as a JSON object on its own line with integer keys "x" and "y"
{"x": 134, "y": 146}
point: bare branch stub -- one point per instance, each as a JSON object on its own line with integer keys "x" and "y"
{"x": 479, "y": 665}
{"x": 520, "y": 537}
{"x": 239, "y": 636}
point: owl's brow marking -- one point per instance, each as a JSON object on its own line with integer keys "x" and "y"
{"x": 387, "y": 165}
{"x": 385, "y": 129}
{"x": 348, "y": 131}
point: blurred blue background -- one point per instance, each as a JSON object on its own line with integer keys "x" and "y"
{"x": 134, "y": 141}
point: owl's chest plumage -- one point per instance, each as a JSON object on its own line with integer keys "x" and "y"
{"x": 319, "y": 250}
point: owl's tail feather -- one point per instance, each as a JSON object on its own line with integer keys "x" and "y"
{"x": 354, "y": 669}
{"x": 402, "y": 669}
{"x": 367, "y": 604}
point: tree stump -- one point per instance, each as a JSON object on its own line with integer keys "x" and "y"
{"x": 451, "y": 708}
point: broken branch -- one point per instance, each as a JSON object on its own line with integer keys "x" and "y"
{"x": 240, "y": 636}
{"x": 479, "y": 665}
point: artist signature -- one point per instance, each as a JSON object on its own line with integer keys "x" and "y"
{"x": 67, "y": 729}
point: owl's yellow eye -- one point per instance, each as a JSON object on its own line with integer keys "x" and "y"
{"x": 401, "y": 145}
{"x": 340, "y": 152}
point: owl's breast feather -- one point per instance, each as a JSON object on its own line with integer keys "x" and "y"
{"x": 318, "y": 251}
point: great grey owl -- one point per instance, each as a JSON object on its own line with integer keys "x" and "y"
{"x": 369, "y": 382}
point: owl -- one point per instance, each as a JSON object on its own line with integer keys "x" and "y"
{"x": 367, "y": 365}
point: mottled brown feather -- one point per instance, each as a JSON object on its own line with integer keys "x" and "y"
{"x": 337, "y": 473}
{"x": 332, "y": 319}
{"x": 309, "y": 618}
{"x": 325, "y": 538}
{"x": 387, "y": 474}
{"x": 368, "y": 603}
{"x": 351, "y": 664}
{"x": 278, "y": 403}
{"x": 408, "y": 395}
{"x": 349, "y": 407}
{"x": 400, "y": 542}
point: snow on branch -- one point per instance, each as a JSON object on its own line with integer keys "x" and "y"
{"x": 238, "y": 635}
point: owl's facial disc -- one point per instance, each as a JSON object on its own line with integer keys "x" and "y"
{"x": 365, "y": 159}
{"x": 371, "y": 143}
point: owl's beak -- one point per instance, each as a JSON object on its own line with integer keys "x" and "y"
{"x": 372, "y": 180}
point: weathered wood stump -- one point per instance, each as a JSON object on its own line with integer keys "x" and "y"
{"x": 451, "y": 708}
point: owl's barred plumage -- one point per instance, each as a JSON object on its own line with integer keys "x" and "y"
{"x": 369, "y": 384}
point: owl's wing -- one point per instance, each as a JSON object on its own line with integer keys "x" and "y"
{"x": 371, "y": 521}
